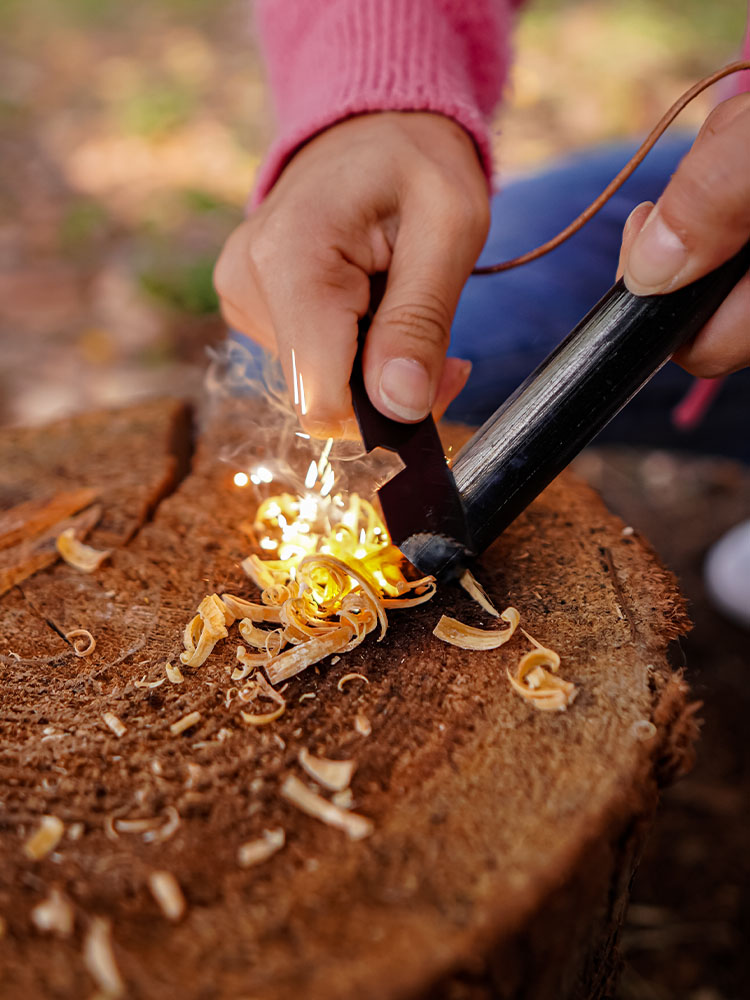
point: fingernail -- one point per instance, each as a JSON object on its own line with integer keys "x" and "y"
{"x": 405, "y": 387}
{"x": 656, "y": 257}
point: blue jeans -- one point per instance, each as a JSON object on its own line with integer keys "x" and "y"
{"x": 507, "y": 323}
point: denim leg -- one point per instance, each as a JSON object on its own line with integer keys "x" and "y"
{"x": 507, "y": 323}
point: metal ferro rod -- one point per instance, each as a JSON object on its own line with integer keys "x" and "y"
{"x": 576, "y": 391}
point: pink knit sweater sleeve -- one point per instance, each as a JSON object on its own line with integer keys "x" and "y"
{"x": 330, "y": 59}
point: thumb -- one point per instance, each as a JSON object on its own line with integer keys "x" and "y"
{"x": 703, "y": 216}
{"x": 404, "y": 355}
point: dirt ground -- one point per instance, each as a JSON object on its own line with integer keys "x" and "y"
{"x": 129, "y": 137}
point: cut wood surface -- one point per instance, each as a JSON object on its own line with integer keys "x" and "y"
{"x": 504, "y": 838}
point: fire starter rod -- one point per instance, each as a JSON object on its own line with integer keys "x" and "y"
{"x": 575, "y": 392}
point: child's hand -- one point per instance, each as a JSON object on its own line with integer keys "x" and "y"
{"x": 402, "y": 192}
{"x": 701, "y": 220}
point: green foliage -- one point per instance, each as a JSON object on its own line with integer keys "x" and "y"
{"x": 186, "y": 286}
{"x": 157, "y": 109}
{"x": 82, "y": 222}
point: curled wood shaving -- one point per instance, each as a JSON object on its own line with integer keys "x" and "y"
{"x": 427, "y": 594}
{"x": 643, "y": 730}
{"x": 143, "y": 683}
{"x": 294, "y": 661}
{"x": 167, "y": 831}
{"x": 241, "y": 608}
{"x": 99, "y": 958}
{"x": 83, "y": 641}
{"x": 350, "y": 677}
{"x": 335, "y": 775}
{"x": 166, "y": 890}
{"x": 355, "y": 826}
{"x": 474, "y": 589}
{"x": 544, "y": 689}
{"x": 54, "y": 915}
{"x": 260, "y": 688}
{"x": 135, "y": 825}
{"x": 186, "y": 722}
{"x": 464, "y": 636}
{"x": 117, "y": 726}
{"x": 258, "y": 573}
{"x": 249, "y": 663}
{"x": 343, "y": 799}
{"x": 362, "y": 724}
{"x": 45, "y": 839}
{"x": 79, "y": 555}
{"x": 205, "y": 630}
{"x": 254, "y": 852}
{"x": 174, "y": 674}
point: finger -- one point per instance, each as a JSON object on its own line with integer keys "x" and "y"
{"x": 405, "y": 349}
{"x": 703, "y": 217}
{"x": 633, "y": 225}
{"x": 723, "y": 345}
{"x": 315, "y": 307}
{"x": 455, "y": 375}
{"x": 240, "y": 299}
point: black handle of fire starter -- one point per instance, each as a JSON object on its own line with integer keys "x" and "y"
{"x": 576, "y": 391}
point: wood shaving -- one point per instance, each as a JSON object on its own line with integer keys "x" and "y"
{"x": 350, "y": 677}
{"x": 117, "y": 726}
{"x": 335, "y": 775}
{"x": 464, "y": 636}
{"x": 143, "y": 683}
{"x": 45, "y": 839}
{"x": 362, "y": 724}
{"x": 255, "y": 852}
{"x": 241, "y": 608}
{"x": 543, "y": 688}
{"x": 174, "y": 674}
{"x": 76, "y": 831}
{"x": 474, "y": 589}
{"x": 260, "y": 688}
{"x": 343, "y": 799}
{"x": 79, "y": 555}
{"x": 186, "y": 722}
{"x": 166, "y": 890}
{"x": 355, "y": 826}
{"x": 54, "y": 915}
{"x": 167, "y": 831}
{"x": 135, "y": 825}
{"x": 643, "y": 730}
{"x": 99, "y": 958}
{"x": 83, "y": 641}
{"x": 307, "y": 696}
{"x": 204, "y": 631}
{"x": 293, "y": 661}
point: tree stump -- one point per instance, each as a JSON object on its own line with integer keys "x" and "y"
{"x": 504, "y": 838}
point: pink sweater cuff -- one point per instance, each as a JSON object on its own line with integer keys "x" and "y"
{"x": 331, "y": 59}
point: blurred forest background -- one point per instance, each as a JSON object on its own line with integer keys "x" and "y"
{"x": 130, "y": 135}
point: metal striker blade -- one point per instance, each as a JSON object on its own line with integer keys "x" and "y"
{"x": 421, "y": 503}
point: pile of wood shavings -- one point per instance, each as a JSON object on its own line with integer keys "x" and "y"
{"x": 325, "y": 592}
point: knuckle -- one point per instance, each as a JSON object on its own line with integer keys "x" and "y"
{"x": 423, "y": 325}
{"x": 709, "y": 191}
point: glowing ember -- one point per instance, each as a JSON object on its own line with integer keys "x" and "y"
{"x": 241, "y": 479}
